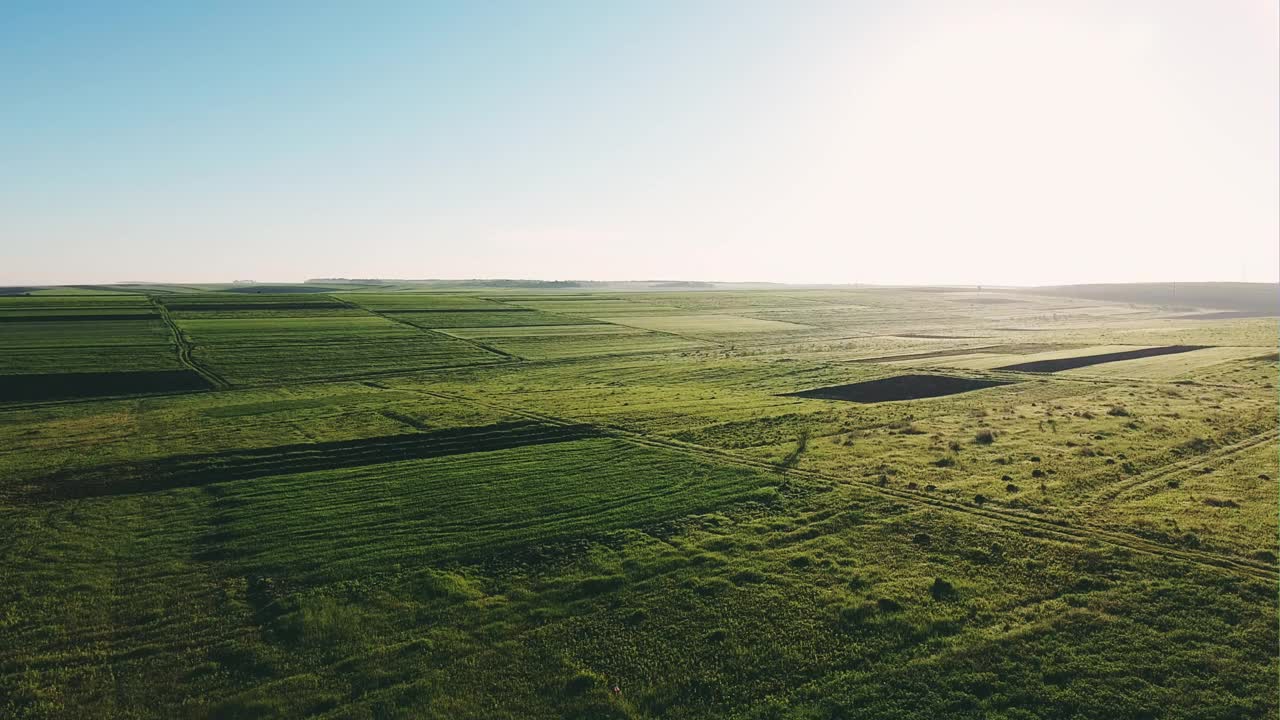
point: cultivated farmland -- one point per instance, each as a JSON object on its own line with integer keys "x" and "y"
{"x": 384, "y": 501}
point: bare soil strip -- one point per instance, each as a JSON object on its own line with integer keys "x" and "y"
{"x": 1060, "y": 364}
{"x": 900, "y": 387}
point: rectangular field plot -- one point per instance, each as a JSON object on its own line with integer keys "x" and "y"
{"x": 1167, "y": 366}
{"x": 231, "y": 302}
{"x": 269, "y": 312}
{"x": 1001, "y": 360}
{"x": 599, "y": 306}
{"x": 708, "y": 324}
{"x": 550, "y": 343}
{"x": 75, "y": 332}
{"x": 901, "y": 387}
{"x": 251, "y": 350}
{"x": 408, "y": 302}
{"x": 744, "y": 301}
{"x": 72, "y": 302}
{"x": 533, "y": 331}
{"x": 503, "y": 317}
{"x": 194, "y": 470}
{"x": 54, "y": 335}
{"x": 979, "y": 356}
{"x": 1079, "y": 361}
{"x": 96, "y": 358}
{"x": 352, "y": 357}
{"x": 63, "y": 386}
{"x": 127, "y": 312}
{"x": 467, "y": 506}
{"x": 270, "y": 331}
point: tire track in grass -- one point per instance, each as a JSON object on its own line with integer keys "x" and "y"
{"x": 1115, "y": 491}
{"x": 1058, "y": 530}
{"x": 437, "y": 333}
{"x": 185, "y": 348}
{"x": 1049, "y": 528}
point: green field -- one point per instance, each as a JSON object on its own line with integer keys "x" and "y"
{"x": 353, "y": 502}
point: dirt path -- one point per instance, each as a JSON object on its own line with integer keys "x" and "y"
{"x": 438, "y": 333}
{"x": 185, "y": 347}
{"x": 1114, "y": 491}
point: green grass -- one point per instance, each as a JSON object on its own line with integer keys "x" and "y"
{"x": 379, "y": 514}
{"x": 443, "y": 510}
{"x": 565, "y": 332}
{"x": 405, "y": 302}
{"x": 480, "y": 319}
{"x": 582, "y": 341}
{"x": 283, "y": 349}
{"x": 118, "y": 358}
{"x": 708, "y": 324}
{"x": 82, "y": 334}
{"x": 253, "y": 363}
{"x": 595, "y": 306}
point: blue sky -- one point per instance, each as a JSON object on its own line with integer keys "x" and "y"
{"x": 963, "y": 142}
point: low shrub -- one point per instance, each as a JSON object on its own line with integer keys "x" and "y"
{"x": 942, "y": 590}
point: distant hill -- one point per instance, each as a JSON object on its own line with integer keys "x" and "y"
{"x": 684, "y": 285}
{"x": 1252, "y": 298}
{"x": 505, "y": 283}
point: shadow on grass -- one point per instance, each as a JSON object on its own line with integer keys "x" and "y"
{"x": 180, "y": 471}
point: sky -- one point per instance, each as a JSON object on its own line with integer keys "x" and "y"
{"x": 904, "y": 142}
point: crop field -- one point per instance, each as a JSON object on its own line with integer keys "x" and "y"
{"x": 257, "y": 349}
{"x": 708, "y": 324}
{"x": 507, "y": 318}
{"x": 354, "y": 500}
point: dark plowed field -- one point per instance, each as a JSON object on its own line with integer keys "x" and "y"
{"x": 64, "y": 386}
{"x": 902, "y": 387}
{"x": 1060, "y": 364}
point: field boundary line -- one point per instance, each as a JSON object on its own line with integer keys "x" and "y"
{"x": 1115, "y": 491}
{"x": 185, "y": 347}
{"x": 715, "y": 343}
{"x": 430, "y": 331}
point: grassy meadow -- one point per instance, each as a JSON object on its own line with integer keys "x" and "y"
{"x": 367, "y": 502}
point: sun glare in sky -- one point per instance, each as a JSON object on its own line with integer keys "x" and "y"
{"x": 919, "y": 142}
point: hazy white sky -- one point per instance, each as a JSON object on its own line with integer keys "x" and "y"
{"x": 894, "y": 142}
